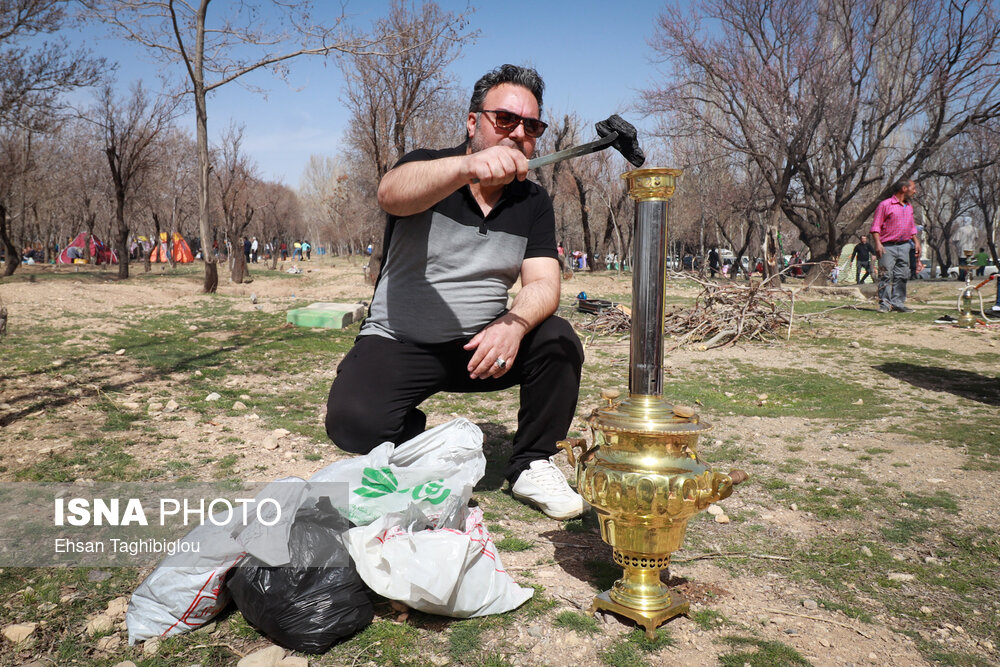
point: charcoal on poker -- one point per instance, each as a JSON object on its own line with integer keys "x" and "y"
{"x": 315, "y": 601}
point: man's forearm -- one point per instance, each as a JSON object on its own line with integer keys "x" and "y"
{"x": 416, "y": 186}
{"x": 535, "y": 302}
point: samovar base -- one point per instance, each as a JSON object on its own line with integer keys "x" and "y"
{"x": 650, "y": 619}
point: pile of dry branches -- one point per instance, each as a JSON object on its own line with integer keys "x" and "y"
{"x": 610, "y": 321}
{"x": 724, "y": 314}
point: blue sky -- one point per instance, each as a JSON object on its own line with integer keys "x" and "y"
{"x": 593, "y": 56}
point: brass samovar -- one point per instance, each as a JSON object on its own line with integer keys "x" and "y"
{"x": 642, "y": 474}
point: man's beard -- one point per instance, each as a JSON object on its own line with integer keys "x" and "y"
{"x": 476, "y": 144}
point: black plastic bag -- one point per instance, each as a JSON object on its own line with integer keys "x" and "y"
{"x": 317, "y": 599}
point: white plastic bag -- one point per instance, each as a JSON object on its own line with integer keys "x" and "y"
{"x": 186, "y": 590}
{"x": 445, "y": 565}
{"x": 437, "y": 464}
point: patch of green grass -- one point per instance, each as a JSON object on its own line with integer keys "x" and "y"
{"x": 584, "y": 624}
{"x": 514, "y": 544}
{"x": 939, "y": 500}
{"x": 708, "y": 619}
{"x": 382, "y": 642}
{"x": 312, "y": 456}
{"x": 464, "y": 639}
{"x": 760, "y": 653}
{"x": 875, "y": 451}
{"x": 89, "y": 457}
{"x": 849, "y": 610}
{"x": 906, "y": 530}
{"x": 630, "y": 651}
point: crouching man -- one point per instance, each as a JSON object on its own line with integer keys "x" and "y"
{"x": 463, "y": 225}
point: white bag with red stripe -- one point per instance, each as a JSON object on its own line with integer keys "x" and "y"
{"x": 443, "y": 564}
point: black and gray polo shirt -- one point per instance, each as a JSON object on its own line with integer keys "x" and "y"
{"x": 446, "y": 271}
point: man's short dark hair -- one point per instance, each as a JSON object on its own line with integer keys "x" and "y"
{"x": 898, "y": 186}
{"x": 526, "y": 77}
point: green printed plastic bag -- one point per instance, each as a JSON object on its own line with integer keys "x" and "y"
{"x": 440, "y": 463}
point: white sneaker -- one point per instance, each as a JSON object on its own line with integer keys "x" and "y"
{"x": 544, "y": 486}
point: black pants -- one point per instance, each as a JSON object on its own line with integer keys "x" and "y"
{"x": 381, "y": 382}
{"x": 858, "y": 278}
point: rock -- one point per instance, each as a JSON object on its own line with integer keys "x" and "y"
{"x": 214, "y": 396}
{"x": 253, "y": 298}
{"x": 171, "y": 406}
{"x": 193, "y": 327}
{"x": 794, "y": 507}
{"x": 270, "y": 443}
{"x": 239, "y": 405}
{"x": 824, "y": 643}
{"x": 722, "y": 518}
{"x": 207, "y": 629}
{"x": 281, "y": 433}
{"x": 860, "y": 401}
{"x": 244, "y": 397}
{"x": 761, "y": 397}
{"x": 151, "y": 646}
{"x": 100, "y": 624}
{"x": 98, "y": 575}
{"x": 931, "y": 560}
{"x": 19, "y": 632}
{"x": 729, "y": 394}
{"x": 266, "y": 657}
{"x": 901, "y": 576}
{"x": 253, "y": 416}
{"x": 534, "y": 631}
{"x": 715, "y": 510}
{"x": 117, "y": 607}
{"x": 198, "y": 374}
{"x": 120, "y": 352}
{"x": 155, "y": 407}
{"x": 124, "y": 663}
{"x": 855, "y": 344}
{"x": 935, "y": 480}
{"x": 130, "y": 405}
{"x": 867, "y": 552}
{"x": 927, "y": 611}
{"x": 294, "y": 661}
{"x": 109, "y": 643}
{"x": 810, "y": 604}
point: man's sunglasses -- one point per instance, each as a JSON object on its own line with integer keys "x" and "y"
{"x": 507, "y": 121}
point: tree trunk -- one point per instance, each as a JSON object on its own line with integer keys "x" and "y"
{"x": 772, "y": 251}
{"x": 10, "y": 250}
{"x": 588, "y": 248}
{"x": 121, "y": 236}
{"x": 240, "y": 273}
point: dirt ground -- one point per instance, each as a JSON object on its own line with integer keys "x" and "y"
{"x": 776, "y": 608}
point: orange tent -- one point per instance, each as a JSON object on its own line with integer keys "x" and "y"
{"x": 181, "y": 252}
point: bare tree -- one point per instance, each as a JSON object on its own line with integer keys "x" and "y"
{"x": 833, "y": 101}
{"x": 129, "y": 128}
{"x": 213, "y": 54}
{"x": 984, "y": 183}
{"x": 33, "y": 78}
{"x": 236, "y": 179}
{"x": 408, "y": 88}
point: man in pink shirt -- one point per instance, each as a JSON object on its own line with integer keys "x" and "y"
{"x": 893, "y": 229}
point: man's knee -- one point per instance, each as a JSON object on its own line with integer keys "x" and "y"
{"x": 351, "y": 424}
{"x": 556, "y": 337}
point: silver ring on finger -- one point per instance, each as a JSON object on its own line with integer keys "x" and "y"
{"x": 501, "y": 363}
